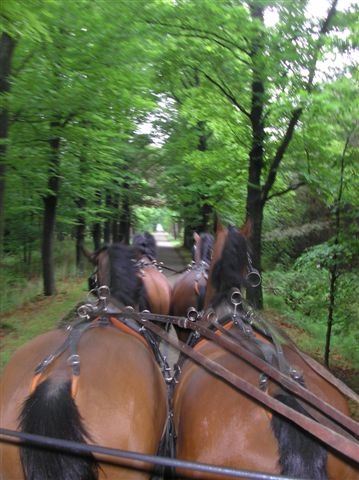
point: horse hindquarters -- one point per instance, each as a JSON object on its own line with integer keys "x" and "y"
{"x": 188, "y": 292}
{"x": 51, "y": 411}
{"x": 121, "y": 398}
{"x": 217, "y": 424}
{"x": 156, "y": 292}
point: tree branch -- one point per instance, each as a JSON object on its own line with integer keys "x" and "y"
{"x": 193, "y": 32}
{"x": 280, "y": 153}
{"x": 282, "y": 148}
{"x": 229, "y": 95}
{"x": 291, "y": 188}
{"x": 324, "y": 29}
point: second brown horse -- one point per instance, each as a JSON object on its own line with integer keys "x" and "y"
{"x": 218, "y": 424}
{"x": 190, "y": 289}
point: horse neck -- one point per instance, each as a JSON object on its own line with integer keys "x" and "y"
{"x": 229, "y": 266}
{"x": 216, "y": 256}
{"x": 125, "y": 284}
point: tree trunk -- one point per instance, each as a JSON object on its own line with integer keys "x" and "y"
{"x": 125, "y": 216}
{"x": 255, "y": 204}
{"x": 96, "y": 235}
{"x": 80, "y": 236}
{"x": 330, "y": 320}
{"x": 334, "y": 270}
{"x": 96, "y": 229}
{"x": 7, "y": 45}
{"x": 49, "y": 220}
{"x": 107, "y": 225}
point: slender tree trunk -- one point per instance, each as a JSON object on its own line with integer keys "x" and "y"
{"x": 255, "y": 204}
{"x": 115, "y": 227}
{"x": 331, "y": 306}
{"x": 96, "y": 229}
{"x": 107, "y": 225}
{"x": 206, "y": 210}
{"x": 80, "y": 236}
{"x": 49, "y": 220}
{"x": 125, "y": 216}
{"x": 334, "y": 270}
{"x": 96, "y": 235}
{"x": 7, "y": 45}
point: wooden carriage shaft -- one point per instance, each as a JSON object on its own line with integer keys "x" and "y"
{"x": 343, "y": 445}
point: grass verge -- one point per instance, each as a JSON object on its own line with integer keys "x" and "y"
{"x": 38, "y": 316}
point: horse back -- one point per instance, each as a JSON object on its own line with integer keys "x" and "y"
{"x": 157, "y": 290}
{"x": 121, "y": 396}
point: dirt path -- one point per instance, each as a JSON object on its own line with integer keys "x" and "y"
{"x": 172, "y": 262}
{"x": 169, "y": 256}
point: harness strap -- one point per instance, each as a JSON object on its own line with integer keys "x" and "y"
{"x": 336, "y": 438}
{"x": 125, "y": 328}
{"x": 287, "y": 382}
{"x": 71, "y": 343}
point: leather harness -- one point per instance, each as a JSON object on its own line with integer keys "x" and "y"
{"x": 264, "y": 353}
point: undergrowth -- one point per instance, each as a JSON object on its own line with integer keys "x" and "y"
{"x": 303, "y": 299}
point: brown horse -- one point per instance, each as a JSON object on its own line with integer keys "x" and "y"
{"x": 157, "y": 289}
{"x": 189, "y": 290}
{"x": 133, "y": 277}
{"x": 217, "y": 423}
{"x": 117, "y": 399}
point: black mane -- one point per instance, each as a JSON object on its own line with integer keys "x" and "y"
{"x": 230, "y": 271}
{"x": 207, "y": 241}
{"x": 145, "y": 244}
{"x": 125, "y": 285}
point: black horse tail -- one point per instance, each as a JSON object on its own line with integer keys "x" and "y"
{"x": 52, "y": 412}
{"x": 300, "y": 455}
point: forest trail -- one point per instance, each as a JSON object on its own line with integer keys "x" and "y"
{"x": 170, "y": 257}
{"x": 172, "y": 262}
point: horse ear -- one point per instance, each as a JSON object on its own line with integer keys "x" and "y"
{"x": 247, "y": 228}
{"x": 89, "y": 255}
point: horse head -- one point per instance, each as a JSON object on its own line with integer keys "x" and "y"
{"x": 144, "y": 244}
{"x": 231, "y": 266}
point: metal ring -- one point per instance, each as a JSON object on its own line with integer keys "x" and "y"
{"x": 92, "y": 296}
{"x": 73, "y": 360}
{"x": 254, "y": 278}
{"x": 211, "y": 316}
{"x": 84, "y": 310}
{"x": 103, "y": 292}
{"x": 236, "y": 297}
{"x": 192, "y": 314}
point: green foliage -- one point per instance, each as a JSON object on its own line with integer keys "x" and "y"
{"x": 302, "y": 294}
{"x": 38, "y": 315}
{"x": 90, "y": 72}
{"x": 21, "y": 280}
{"x": 147, "y": 218}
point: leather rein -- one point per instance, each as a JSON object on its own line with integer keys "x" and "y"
{"x": 334, "y": 427}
